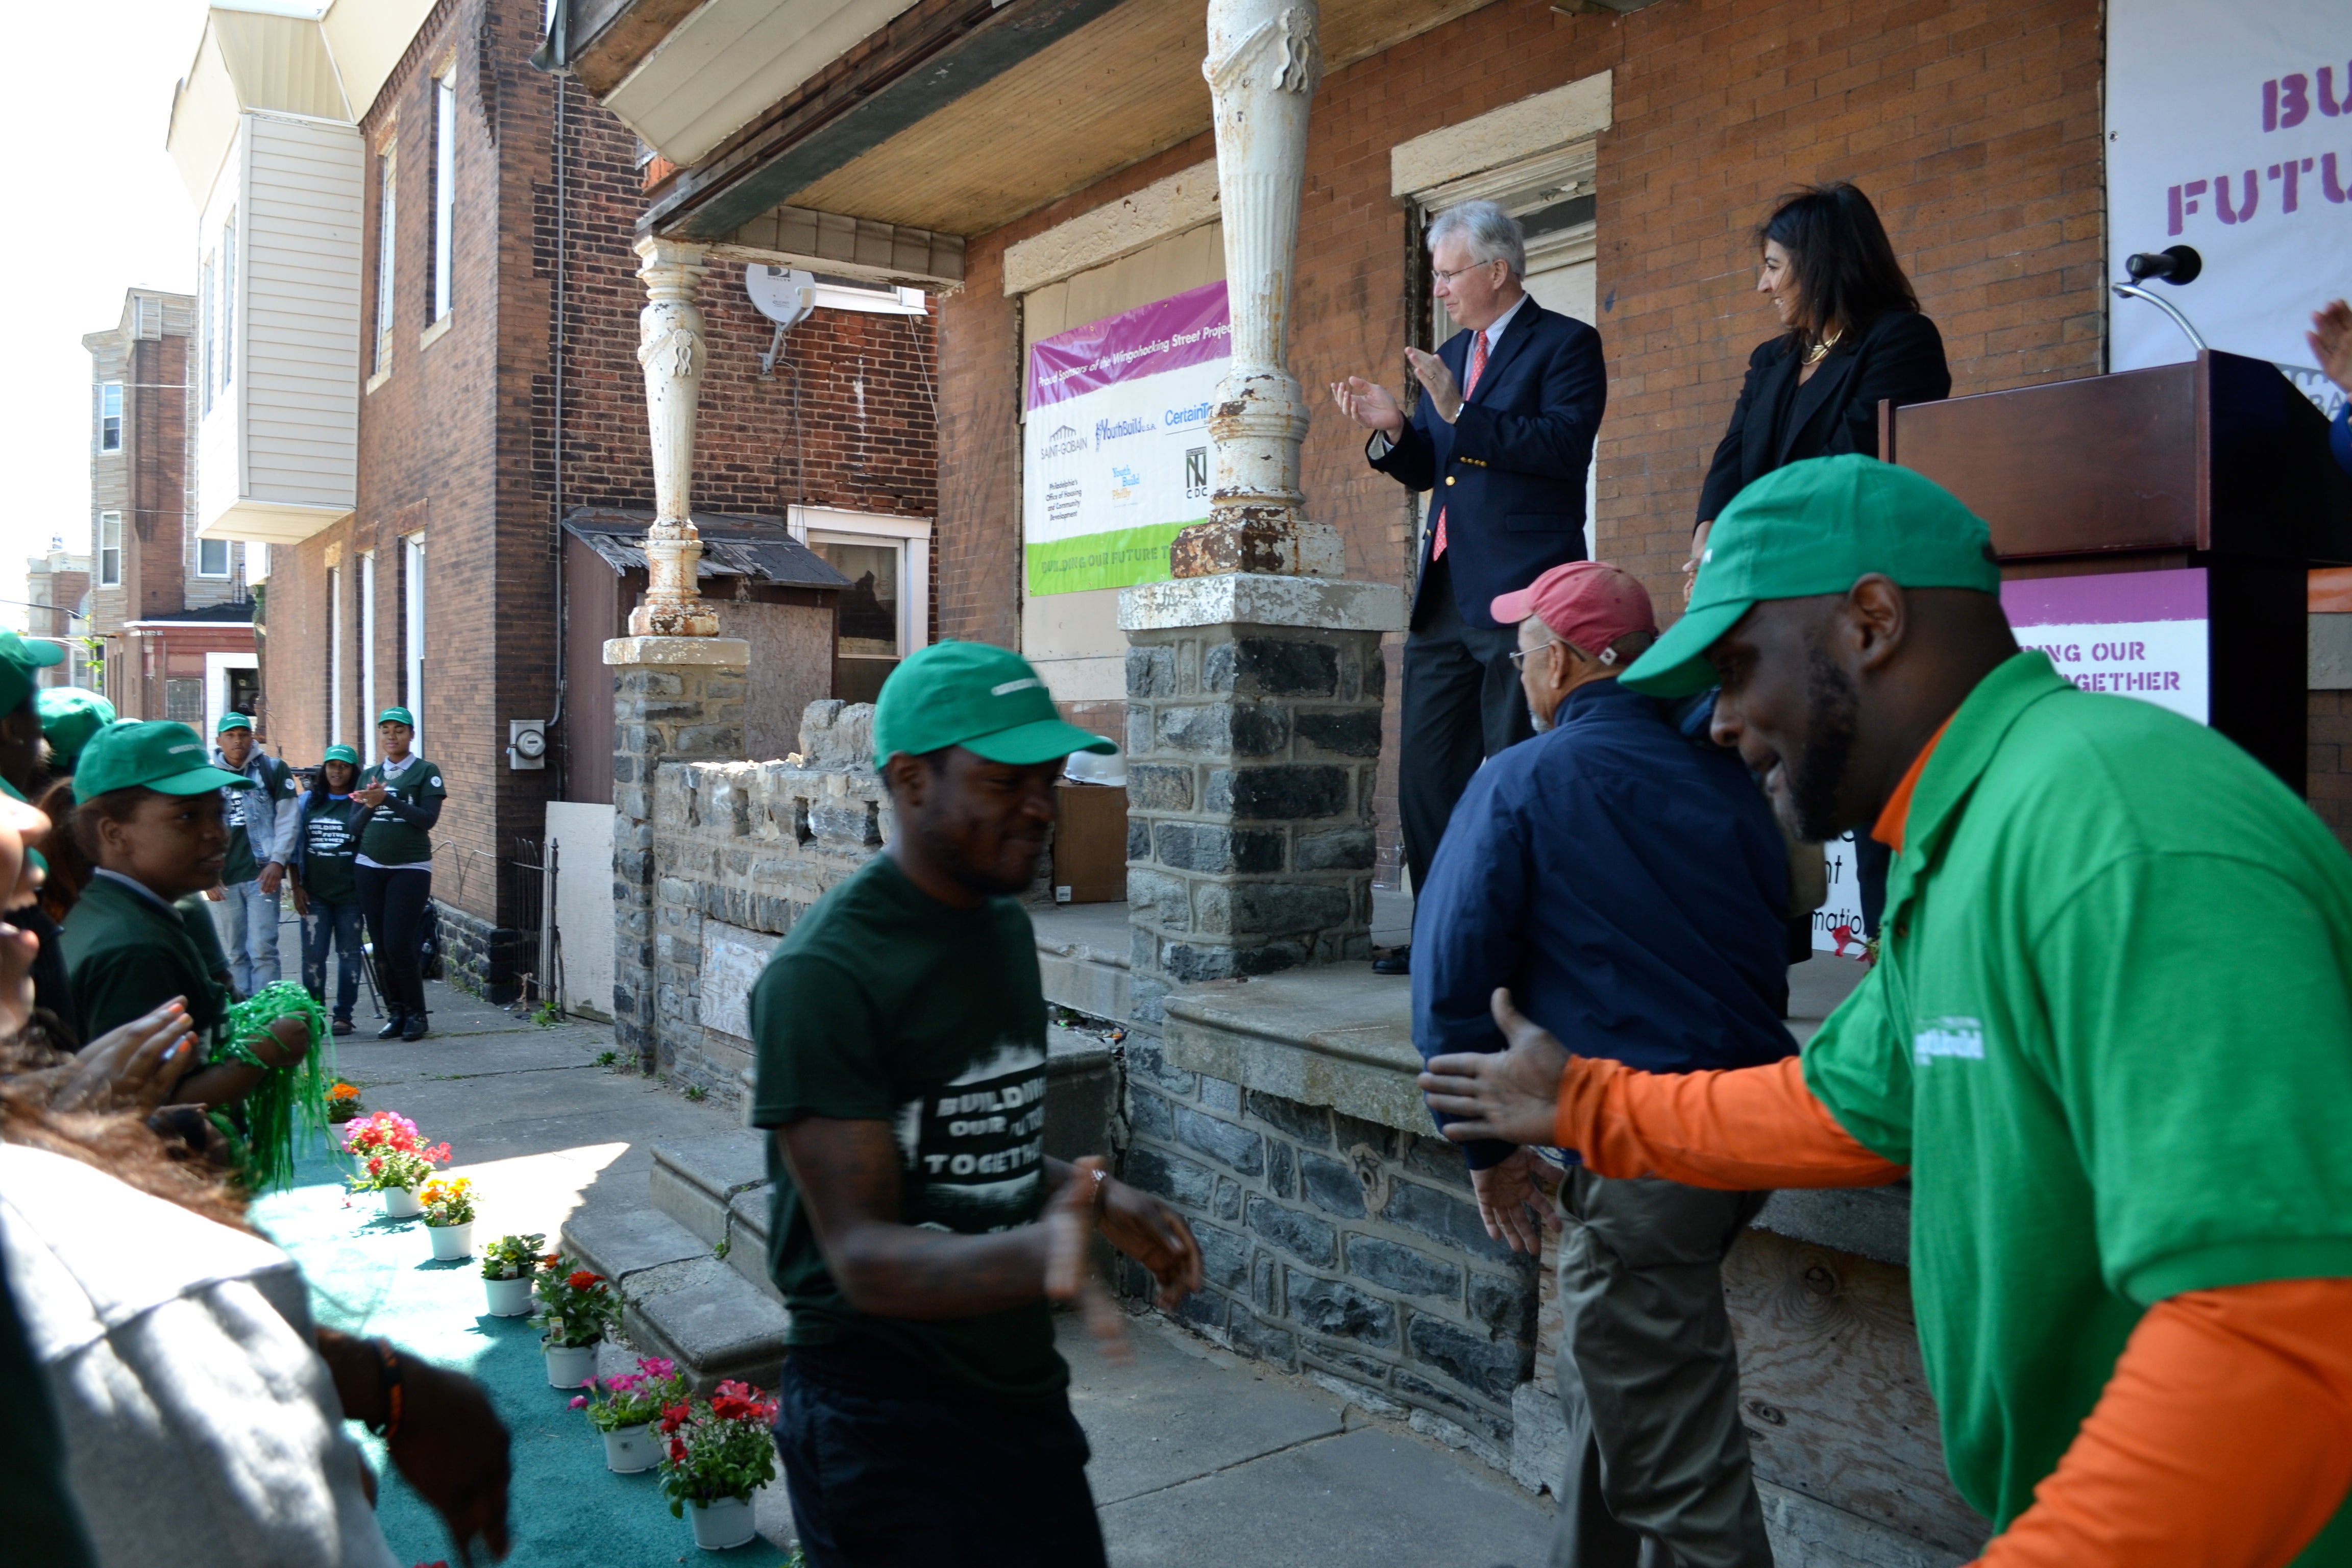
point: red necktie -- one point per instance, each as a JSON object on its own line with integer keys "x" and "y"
{"x": 1478, "y": 367}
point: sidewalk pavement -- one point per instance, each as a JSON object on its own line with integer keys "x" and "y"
{"x": 1199, "y": 1457}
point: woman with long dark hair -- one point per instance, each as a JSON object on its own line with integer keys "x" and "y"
{"x": 1852, "y": 335}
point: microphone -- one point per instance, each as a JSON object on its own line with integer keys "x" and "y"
{"x": 2178, "y": 265}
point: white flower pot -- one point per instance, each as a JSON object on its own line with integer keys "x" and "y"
{"x": 509, "y": 1298}
{"x": 569, "y": 1366}
{"x": 401, "y": 1203}
{"x": 721, "y": 1524}
{"x": 452, "y": 1241}
{"x": 629, "y": 1449}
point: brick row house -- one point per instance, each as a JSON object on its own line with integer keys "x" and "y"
{"x": 435, "y": 302}
{"x": 169, "y": 615}
{"x": 56, "y": 593}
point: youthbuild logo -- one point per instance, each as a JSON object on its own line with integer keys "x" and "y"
{"x": 1112, "y": 429}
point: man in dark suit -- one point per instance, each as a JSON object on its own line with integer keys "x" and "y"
{"x": 1505, "y": 437}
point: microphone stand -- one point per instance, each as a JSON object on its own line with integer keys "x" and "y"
{"x": 2134, "y": 291}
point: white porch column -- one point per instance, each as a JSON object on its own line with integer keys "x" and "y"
{"x": 1263, "y": 66}
{"x": 670, "y": 348}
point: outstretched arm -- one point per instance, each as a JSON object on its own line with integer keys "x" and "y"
{"x": 1741, "y": 1130}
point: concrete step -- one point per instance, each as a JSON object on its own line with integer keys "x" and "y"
{"x": 694, "y": 1179}
{"x": 623, "y": 1244}
{"x": 714, "y": 1324}
{"x": 746, "y": 1237}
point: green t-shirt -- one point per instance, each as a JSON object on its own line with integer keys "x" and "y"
{"x": 330, "y": 841}
{"x": 386, "y": 840}
{"x": 241, "y": 808}
{"x": 128, "y": 953}
{"x": 884, "y": 1005}
{"x": 2109, "y": 1032}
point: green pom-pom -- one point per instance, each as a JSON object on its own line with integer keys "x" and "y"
{"x": 284, "y": 1095}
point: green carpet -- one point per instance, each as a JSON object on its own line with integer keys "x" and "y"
{"x": 370, "y": 1275}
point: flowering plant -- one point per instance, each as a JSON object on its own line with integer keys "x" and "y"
{"x": 343, "y": 1101}
{"x": 575, "y": 1306}
{"x": 449, "y": 1203}
{"x": 717, "y": 1449}
{"x": 512, "y": 1256}
{"x": 634, "y": 1399}
{"x": 393, "y": 1153}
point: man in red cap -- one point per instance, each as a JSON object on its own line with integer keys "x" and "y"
{"x": 1623, "y": 877}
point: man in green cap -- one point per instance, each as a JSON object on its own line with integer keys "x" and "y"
{"x": 2108, "y": 1037}
{"x": 69, "y": 716}
{"x": 920, "y": 1230}
{"x": 20, "y": 715}
{"x": 261, "y": 828}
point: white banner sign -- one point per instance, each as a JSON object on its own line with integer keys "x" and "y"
{"x": 2230, "y": 131}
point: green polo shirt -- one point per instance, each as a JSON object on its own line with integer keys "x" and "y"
{"x": 128, "y": 953}
{"x": 2110, "y": 1034}
{"x": 386, "y": 840}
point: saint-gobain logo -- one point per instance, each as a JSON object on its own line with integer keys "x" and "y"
{"x": 1061, "y": 443}
{"x": 1948, "y": 1037}
{"x": 1196, "y": 472}
{"x": 1113, "y": 429}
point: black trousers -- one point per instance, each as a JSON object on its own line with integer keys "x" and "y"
{"x": 394, "y": 903}
{"x": 1462, "y": 705}
{"x": 886, "y": 1470}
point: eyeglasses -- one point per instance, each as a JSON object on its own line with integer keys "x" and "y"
{"x": 1519, "y": 655}
{"x": 1438, "y": 275}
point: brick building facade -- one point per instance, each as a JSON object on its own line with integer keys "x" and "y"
{"x": 440, "y": 591}
{"x": 1977, "y": 134}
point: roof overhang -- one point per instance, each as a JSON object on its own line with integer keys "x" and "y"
{"x": 271, "y": 522}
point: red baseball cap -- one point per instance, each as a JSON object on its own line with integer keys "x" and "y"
{"x": 1587, "y": 603}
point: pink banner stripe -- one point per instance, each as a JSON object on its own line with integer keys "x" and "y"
{"x": 2105, "y": 599}
{"x": 1185, "y": 328}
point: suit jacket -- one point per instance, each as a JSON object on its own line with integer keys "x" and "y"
{"x": 1510, "y": 471}
{"x": 1899, "y": 355}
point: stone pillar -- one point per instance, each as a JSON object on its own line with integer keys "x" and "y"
{"x": 670, "y": 348}
{"x": 1252, "y": 741}
{"x": 674, "y": 700}
{"x": 1262, "y": 66}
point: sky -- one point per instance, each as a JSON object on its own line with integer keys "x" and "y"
{"x": 112, "y": 214}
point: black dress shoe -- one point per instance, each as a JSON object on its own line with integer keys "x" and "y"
{"x": 392, "y": 1028}
{"x": 416, "y": 1029}
{"x": 1399, "y": 961}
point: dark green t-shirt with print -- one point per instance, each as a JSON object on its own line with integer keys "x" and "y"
{"x": 331, "y": 842}
{"x": 387, "y": 840}
{"x": 884, "y": 1005}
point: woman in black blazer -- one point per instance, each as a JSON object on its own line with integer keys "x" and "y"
{"x": 1851, "y": 334}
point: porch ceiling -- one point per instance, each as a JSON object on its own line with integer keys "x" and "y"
{"x": 1043, "y": 102}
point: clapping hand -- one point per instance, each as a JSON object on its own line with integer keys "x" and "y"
{"x": 1369, "y": 406}
{"x": 1444, "y": 393}
{"x": 370, "y": 795}
{"x": 1069, "y": 1220}
{"x": 2331, "y": 341}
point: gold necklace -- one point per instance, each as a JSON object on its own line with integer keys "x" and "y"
{"x": 1813, "y": 355}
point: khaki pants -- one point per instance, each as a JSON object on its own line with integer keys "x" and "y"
{"x": 1658, "y": 1472}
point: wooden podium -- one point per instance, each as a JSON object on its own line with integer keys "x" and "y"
{"x": 2213, "y": 476}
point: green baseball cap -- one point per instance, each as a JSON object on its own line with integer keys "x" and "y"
{"x": 233, "y": 720}
{"x": 1812, "y": 528}
{"x": 69, "y": 716}
{"x": 155, "y": 754}
{"x": 397, "y": 716}
{"x": 342, "y": 754}
{"x": 984, "y": 699}
{"x": 19, "y": 660}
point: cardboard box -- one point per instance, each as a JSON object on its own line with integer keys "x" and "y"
{"x": 1089, "y": 843}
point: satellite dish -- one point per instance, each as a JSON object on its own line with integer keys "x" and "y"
{"x": 785, "y": 295}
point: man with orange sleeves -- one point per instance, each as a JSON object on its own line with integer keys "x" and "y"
{"x": 2109, "y": 1036}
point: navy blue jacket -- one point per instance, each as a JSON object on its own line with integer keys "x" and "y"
{"x": 1626, "y": 882}
{"x": 1510, "y": 469}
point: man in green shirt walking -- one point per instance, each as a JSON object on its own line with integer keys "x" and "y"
{"x": 920, "y": 1231}
{"x": 2109, "y": 1036}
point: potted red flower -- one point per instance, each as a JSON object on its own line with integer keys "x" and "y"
{"x": 575, "y": 1306}
{"x": 395, "y": 1160}
{"x": 715, "y": 1454}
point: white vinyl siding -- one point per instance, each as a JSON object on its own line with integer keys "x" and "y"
{"x": 445, "y": 191}
{"x": 109, "y": 550}
{"x": 277, "y": 455}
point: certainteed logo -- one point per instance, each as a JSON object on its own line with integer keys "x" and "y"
{"x": 1065, "y": 441}
{"x": 1948, "y": 1037}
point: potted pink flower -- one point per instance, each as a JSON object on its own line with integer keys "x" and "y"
{"x": 395, "y": 1160}
{"x": 715, "y": 1454}
{"x": 624, "y": 1408}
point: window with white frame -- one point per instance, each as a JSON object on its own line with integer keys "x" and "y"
{"x": 445, "y": 189}
{"x": 212, "y": 557}
{"x": 109, "y": 550}
{"x": 411, "y": 616}
{"x": 335, "y": 731}
{"x": 835, "y": 293}
{"x": 204, "y": 329}
{"x": 110, "y": 417}
{"x": 886, "y": 611}
{"x": 387, "y": 174}
{"x": 228, "y": 300}
{"x": 367, "y": 653}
